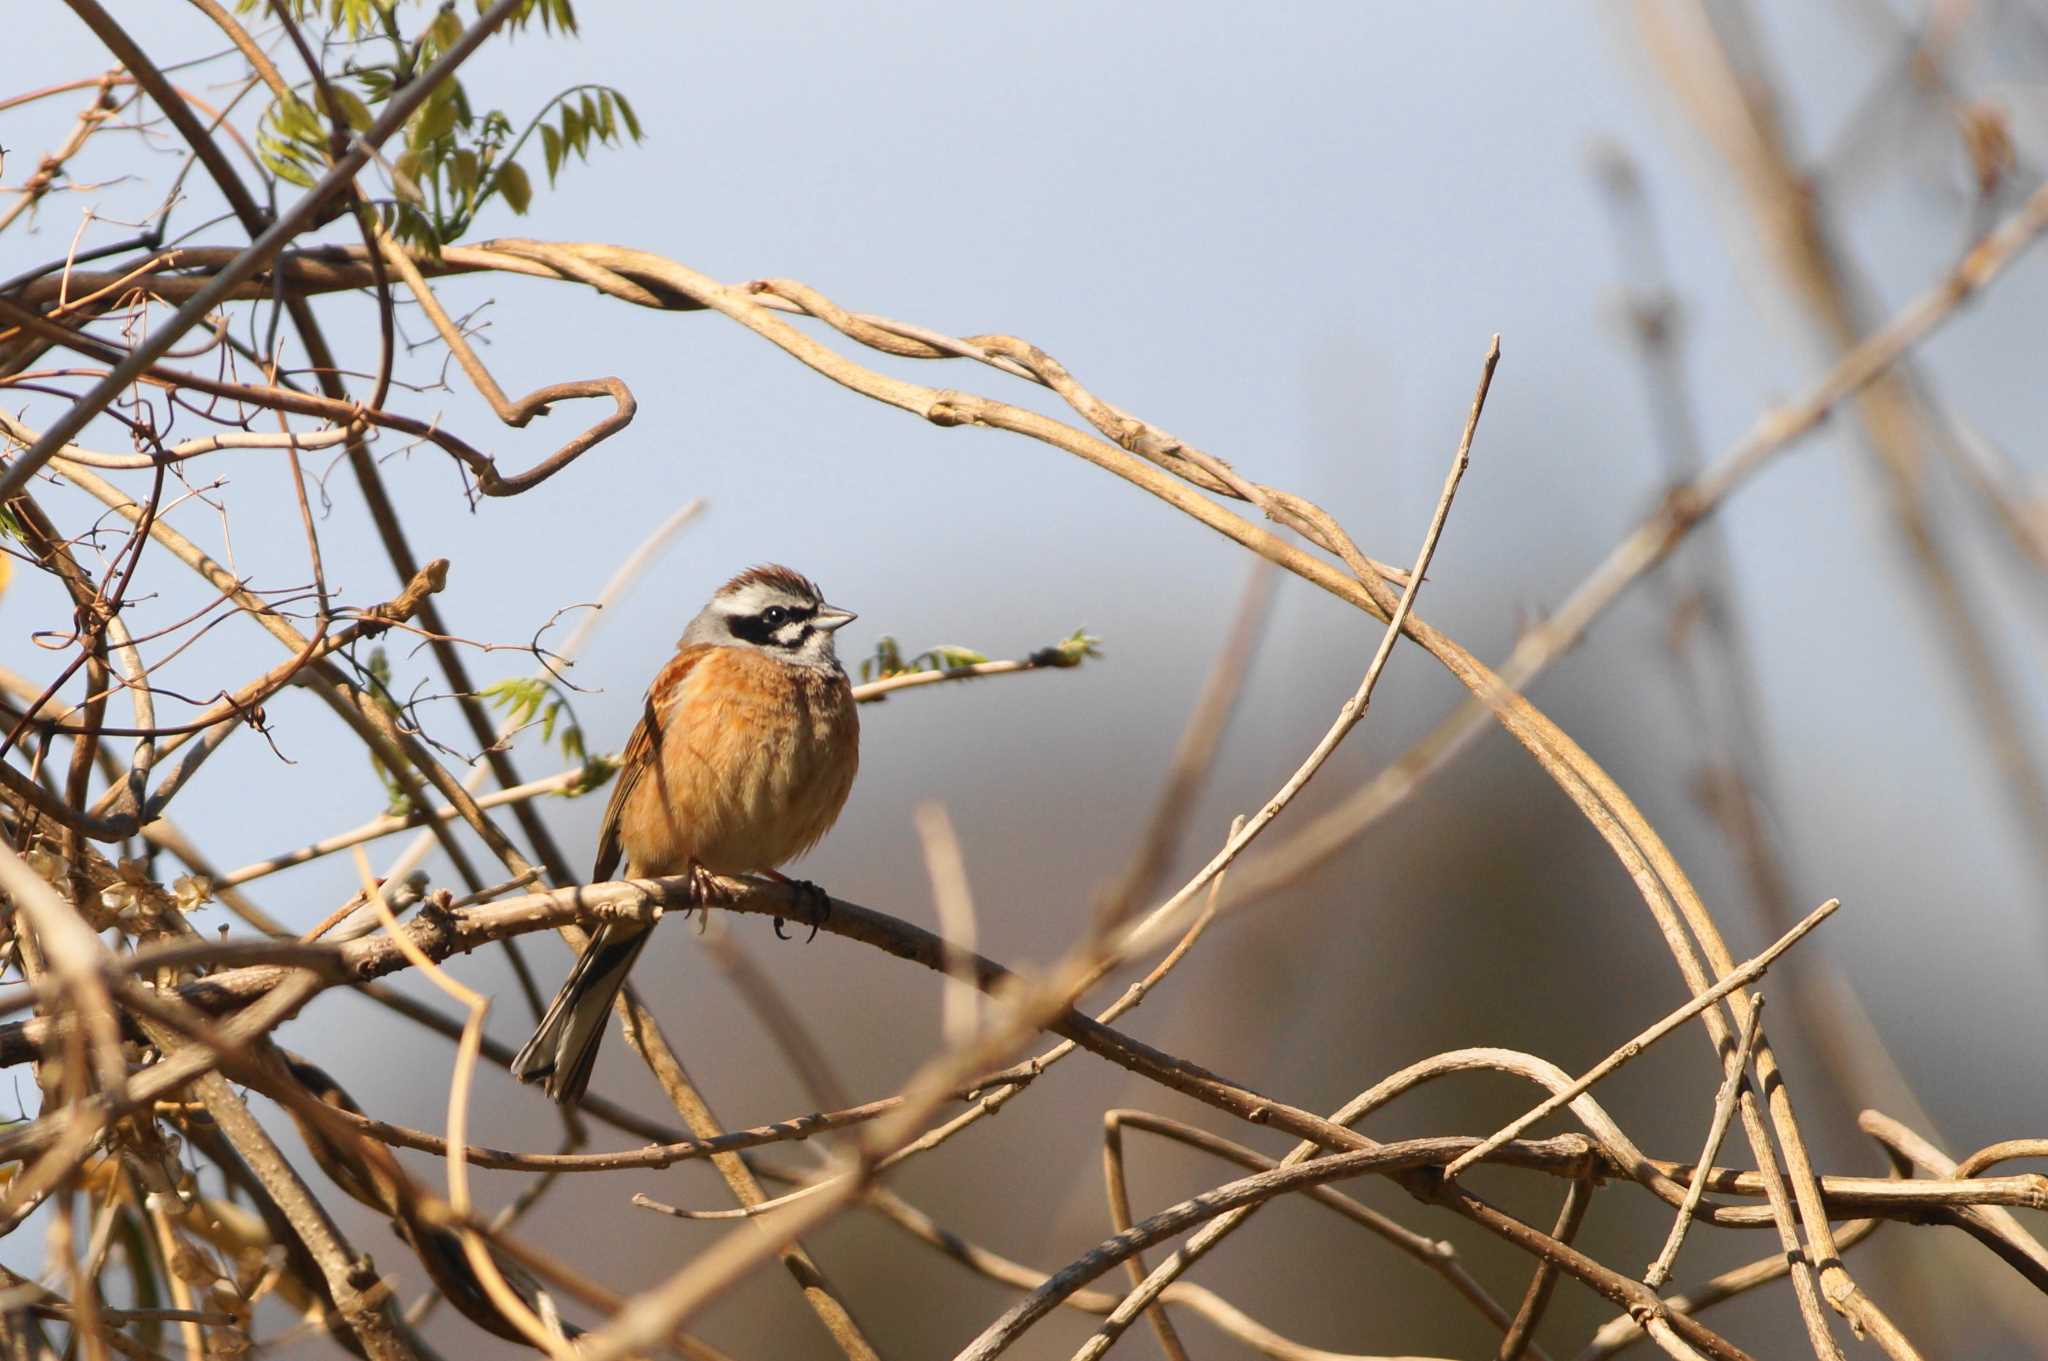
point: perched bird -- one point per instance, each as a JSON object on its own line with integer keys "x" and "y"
{"x": 742, "y": 759}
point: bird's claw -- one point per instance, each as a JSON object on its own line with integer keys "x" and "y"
{"x": 817, "y": 906}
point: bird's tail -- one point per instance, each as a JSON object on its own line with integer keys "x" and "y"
{"x": 563, "y": 1050}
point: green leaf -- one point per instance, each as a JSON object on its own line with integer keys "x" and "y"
{"x": 462, "y": 172}
{"x": 295, "y": 118}
{"x": 405, "y": 178}
{"x": 632, "y": 120}
{"x": 517, "y": 697}
{"x": 596, "y": 771}
{"x": 886, "y": 661}
{"x": 1071, "y": 650}
{"x": 397, "y": 800}
{"x": 353, "y": 111}
{"x": 378, "y": 672}
{"x": 281, "y": 164}
{"x": 551, "y": 150}
{"x": 446, "y": 30}
{"x": 513, "y": 184}
{"x": 415, "y": 228}
{"x": 946, "y": 657}
{"x": 436, "y": 119}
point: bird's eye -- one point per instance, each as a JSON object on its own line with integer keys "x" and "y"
{"x": 774, "y": 615}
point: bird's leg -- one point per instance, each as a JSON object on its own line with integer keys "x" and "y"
{"x": 708, "y": 891}
{"x": 816, "y": 902}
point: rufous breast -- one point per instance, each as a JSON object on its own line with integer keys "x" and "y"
{"x": 753, "y": 760}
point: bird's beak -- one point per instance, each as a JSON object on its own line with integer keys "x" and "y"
{"x": 831, "y": 618}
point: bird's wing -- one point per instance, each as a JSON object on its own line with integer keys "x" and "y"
{"x": 643, "y": 751}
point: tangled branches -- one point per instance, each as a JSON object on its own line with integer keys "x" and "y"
{"x": 141, "y": 1032}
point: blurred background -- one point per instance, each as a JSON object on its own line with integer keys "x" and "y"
{"x": 1286, "y": 237}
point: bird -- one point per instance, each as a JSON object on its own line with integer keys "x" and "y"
{"x": 745, "y": 752}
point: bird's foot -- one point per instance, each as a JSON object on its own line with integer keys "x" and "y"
{"x": 815, "y": 902}
{"x": 707, "y": 890}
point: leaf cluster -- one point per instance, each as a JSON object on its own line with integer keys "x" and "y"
{"x": 456, "y": 157}
{"x": 527, "y": 700}
{"x": 1071, "y": 650}
{"x": 888, "y": 658}
{"x": 362, "y": 18}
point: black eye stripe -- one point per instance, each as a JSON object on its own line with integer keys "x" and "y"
{"x": 763, "y": 627}
{"x": 750, "y": 628}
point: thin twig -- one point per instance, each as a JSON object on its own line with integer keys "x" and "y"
{"x": 1742, "y": 977}
{"x": 1717, "y": 1129}
{"x": 1578, "y": 1197}
{"x": 1148, "y": 1288}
